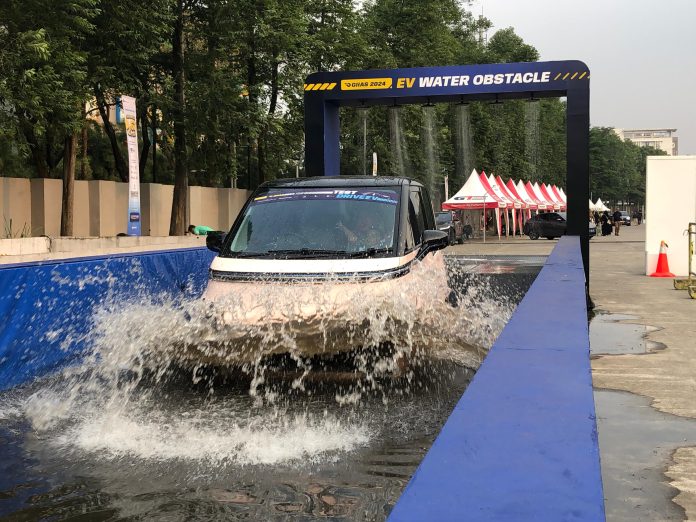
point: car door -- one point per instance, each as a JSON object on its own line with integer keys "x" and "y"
{"x": 556, "y": 225}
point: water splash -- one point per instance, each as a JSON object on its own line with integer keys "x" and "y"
{"x": 145, "y": 352}
{"x": 464, "y": 149}
{"x": 401, "y": 165}
{"x": 531, "y": 137}
{"x": 432, "y": 160}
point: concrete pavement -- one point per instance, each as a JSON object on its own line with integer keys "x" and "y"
{"x": 647, "y": 440}
{"x": 667, "y": 377}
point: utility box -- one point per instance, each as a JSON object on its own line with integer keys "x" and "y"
{"x": 670, "y": 205}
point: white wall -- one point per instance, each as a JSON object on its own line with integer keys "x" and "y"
{"x": 670, "y": 205}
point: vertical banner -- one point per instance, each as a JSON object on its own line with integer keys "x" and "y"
{"x": 133, "y": 165}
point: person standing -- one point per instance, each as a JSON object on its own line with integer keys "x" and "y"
{"x": 640, "y": 217}
{"x": 617, "y": 221}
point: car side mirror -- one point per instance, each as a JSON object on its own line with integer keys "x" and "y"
{"x": 214, "y": 240}
{"x": 435, "y": 240}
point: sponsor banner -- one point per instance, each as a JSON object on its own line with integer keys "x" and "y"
{"x": 432, "y": 81}
{"x": 363, "y": 84}
{"x": 133, "y": 166}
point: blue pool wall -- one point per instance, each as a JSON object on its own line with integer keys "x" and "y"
{"x": 521, "y": 444}
{"x": 46, "y": 307}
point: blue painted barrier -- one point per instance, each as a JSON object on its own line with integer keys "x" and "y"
{"x": 46, "y": 307}
{"x": 521, "y": 444}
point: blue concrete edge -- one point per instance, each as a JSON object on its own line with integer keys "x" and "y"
{"x": 521, "y": 444}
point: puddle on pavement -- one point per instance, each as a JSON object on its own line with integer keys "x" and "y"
{"x": 636, "y": 442}
{"x": 613, "y": 334}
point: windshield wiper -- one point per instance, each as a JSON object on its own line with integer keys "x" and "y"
{"x": 370, "y": 252}
{"x": 251, "y": 254}
{"x": 309, "y": 252}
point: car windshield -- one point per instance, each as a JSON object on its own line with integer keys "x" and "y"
{"x": 310, "y": 222}
{"x": 443, "y": 217}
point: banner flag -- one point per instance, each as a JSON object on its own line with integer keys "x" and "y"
{"x": 133, "y": 165}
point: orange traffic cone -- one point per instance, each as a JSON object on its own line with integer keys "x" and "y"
{"x": 662, "y": 269}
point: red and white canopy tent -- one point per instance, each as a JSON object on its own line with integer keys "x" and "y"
{"x": 547, "y": 190}
{"x": 492, "y": 184}
{"x": 540, "y": 203}
{"x": 474, "y": 195}
{"x": 482, "y": 192}
{"x": 524, "y": 196}
{"x": 557, "y": 194}
{"x": 518, "y": 205}
{"x": 550, "y": 205}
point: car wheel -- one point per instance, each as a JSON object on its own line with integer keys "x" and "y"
{"x": 549, "y": 237}
{"x": 533, "y": 234}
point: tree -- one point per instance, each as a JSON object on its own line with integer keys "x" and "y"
{"x": 43, "y": 78}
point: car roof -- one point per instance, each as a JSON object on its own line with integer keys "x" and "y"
{"x": 341, "y": 182}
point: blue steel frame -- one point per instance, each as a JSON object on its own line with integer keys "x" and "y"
{"x": 326, "y": 92}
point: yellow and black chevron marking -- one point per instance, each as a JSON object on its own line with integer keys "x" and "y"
{"x": 572, "y": 76}
{"x": 319, "y": 86}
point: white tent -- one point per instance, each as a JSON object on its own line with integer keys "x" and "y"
{"x": 592, "y": 206}
{"x": 599, "y": 205}
{"x": 475, "y": 195}
{"x": 540, "y": 195}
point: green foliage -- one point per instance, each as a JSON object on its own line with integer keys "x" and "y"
{"x": 244, "y": 65}
{"x": 617, "y": 168}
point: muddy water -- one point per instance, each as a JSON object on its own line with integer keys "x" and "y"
{"x": 130, "y": 434}
{"x": 177, "y": 451}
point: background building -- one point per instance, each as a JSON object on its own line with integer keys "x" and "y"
{"x": 663, "y": 139}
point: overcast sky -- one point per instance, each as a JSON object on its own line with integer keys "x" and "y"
{"x": 641, "y": 55}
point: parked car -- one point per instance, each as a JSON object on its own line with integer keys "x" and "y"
{"x": 625, "y": 218}
{"x": 547, "y": 224}
{"x": 450, "y": 223}
{"x": 551, "y": 225}
{"x": 304, "y": 253}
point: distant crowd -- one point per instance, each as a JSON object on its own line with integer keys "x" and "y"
{"x": 607, "y": 222}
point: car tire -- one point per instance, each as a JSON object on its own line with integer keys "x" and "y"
{"x": 549, "y": 237}
{"x": 533, "y": 235}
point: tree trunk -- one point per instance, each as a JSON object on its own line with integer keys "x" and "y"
{"x": 177, "y": 225}
{"x": 69, "y": 159}
{"x": 119, "y": 160}
{"x": 144, "y": 124}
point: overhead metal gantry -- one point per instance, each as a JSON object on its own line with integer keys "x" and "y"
{"x": 326, "y": 92}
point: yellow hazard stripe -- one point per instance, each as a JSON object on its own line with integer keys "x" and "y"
{"x": 582, "y": 75}
{"x": 327, "y": 86}
{"x": 574, "y": 75}
{"x": 557, "y": 76}
{"x": 565, "y": 76}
